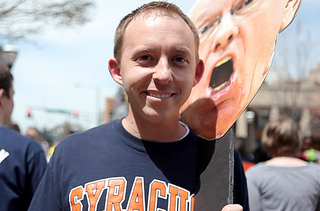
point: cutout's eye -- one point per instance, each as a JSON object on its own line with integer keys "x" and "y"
{"x": 211, "y": 25}
{"x": 241, "y": 4}
{"x": 247, "y": 2}
{"x": 202, "y": 31}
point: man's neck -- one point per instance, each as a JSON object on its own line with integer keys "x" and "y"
{"x": 165, "y": 131}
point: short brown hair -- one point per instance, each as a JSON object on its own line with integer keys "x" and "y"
{"x": 6, "y": 79}
{"x": 165, "y": 7}
{"x": 281, "y": 138}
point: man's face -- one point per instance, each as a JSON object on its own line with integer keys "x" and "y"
{"x": 237, "y": 41}
{"x": 31, "y": 133}
{"x": 158, "y": 66}
{"x": 8, "y": 106}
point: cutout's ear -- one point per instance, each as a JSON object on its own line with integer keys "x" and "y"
{"x": 290, "y": 11}
{"x": 114, "y": 69}
{"x": 199, "y": 72}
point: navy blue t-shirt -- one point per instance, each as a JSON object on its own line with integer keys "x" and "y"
{"x": 106, "y": 168}
{"x": 22, "y": 164}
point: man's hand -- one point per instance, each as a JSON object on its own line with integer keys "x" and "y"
{"x": 232, "y": 207}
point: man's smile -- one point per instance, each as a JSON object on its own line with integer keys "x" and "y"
{"x": 160, "y": 96}
{"x": 221, "y": 74}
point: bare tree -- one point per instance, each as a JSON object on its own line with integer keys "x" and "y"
{"x": 20, "y": 18}
{"x": 294, "y": 61}
{"x": 296, "y": 52}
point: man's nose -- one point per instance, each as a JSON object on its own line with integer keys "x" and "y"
{"x": 162, "y": 72}
{"x": 227, "y": 31}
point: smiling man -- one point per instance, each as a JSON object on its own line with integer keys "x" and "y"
{"x": 237, "y": 43}
{"x": 148, "y": 159}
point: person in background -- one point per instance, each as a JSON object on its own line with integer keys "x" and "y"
{"x": 14, "y": 127}
{"x": 146, "y": 160}
{"x": 34, "y": 133}
{"x": 285, "y": 182}
{"x": 241, "y": 147}
{"x": 22, "y": 161}
{"x": 310, "y": 149}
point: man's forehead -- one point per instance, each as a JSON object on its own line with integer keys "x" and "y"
{"x": 156, "y": 13}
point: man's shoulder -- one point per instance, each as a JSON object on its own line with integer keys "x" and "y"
{"x": 12, "y": 137}
{"x": 13, "y": 142}
{"x": 315, "y": 167}
{"x": 257, "y": 169}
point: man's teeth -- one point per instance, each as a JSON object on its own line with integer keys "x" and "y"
{"x": 159, "y": 96}
{"x": 223, "y": 61}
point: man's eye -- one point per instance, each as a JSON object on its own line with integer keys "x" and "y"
{"x": 144, "y": 58}
{"x": 180, "y": 59}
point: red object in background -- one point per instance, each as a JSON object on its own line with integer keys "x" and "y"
{"x": 247, "y": 165}
{"x": 29, "y": 111}
{"x": 76, "y": 112}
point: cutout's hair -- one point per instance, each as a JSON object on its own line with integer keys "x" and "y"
{"x": 164, "y": 8}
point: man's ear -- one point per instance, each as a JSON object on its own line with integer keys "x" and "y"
{"x": 290, "y": 11}
{"x": 199, "y": 72}
{"x": 2, "y": 95}
{"x": 114, "y": 69}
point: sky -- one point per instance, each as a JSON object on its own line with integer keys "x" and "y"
{"x": 68, "y": 68}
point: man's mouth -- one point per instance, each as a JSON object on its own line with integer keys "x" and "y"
{"x": 163, "y": 96}
{"x": 221, "y": 74}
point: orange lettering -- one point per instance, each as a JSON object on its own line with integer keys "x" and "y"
{"x": 173, "y": 198}
{"x": 115, "y": 194}
{"x": 157, "y": 189}
{"x": 94, "y": 190}
{"x": 136, "y": 201}
{"x": 192, "y": 203}
{"x": 183, "y": 199}
{"x": 75, "y": 197}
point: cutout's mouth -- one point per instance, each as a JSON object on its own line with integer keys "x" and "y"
{"x": 221, "y": 74}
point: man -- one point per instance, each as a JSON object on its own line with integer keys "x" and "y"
{"x": 22, "y": 161}
{"x": 237, "y": 42}
{"x": 147, "y": 160}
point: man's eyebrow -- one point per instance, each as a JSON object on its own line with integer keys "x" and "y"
{"x": 183, "y": 49}
{"x": 142, "y": 49}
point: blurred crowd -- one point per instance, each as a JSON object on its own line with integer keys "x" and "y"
{"x": 283, "y": 173}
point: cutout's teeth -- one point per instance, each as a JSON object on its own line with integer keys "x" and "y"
{"x": 221, "y": 73}
{"x": 217, "y": 89}
{"x": 223, "y": 61}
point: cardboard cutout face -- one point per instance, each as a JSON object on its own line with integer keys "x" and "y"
{"x": 237, "y": 42}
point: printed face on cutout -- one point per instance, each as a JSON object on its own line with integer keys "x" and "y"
{"x": 237, "y": 42}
